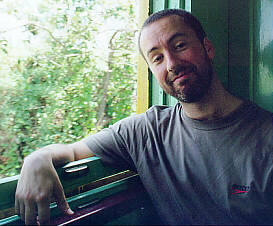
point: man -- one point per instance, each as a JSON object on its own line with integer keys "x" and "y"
{"x": 208, "y": 160}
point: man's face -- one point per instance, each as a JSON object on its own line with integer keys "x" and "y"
{"x": 181, "y": 64}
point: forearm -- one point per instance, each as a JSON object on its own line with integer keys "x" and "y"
{"x": 60, "y": 154}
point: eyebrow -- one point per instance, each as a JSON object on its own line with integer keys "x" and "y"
{"x": 174, "y": 36}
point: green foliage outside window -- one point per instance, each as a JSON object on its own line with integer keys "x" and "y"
{"x": 81, "y": 80}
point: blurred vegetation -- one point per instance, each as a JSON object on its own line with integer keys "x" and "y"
{"x": 79, "y": 79}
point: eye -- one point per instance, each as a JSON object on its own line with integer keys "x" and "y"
{"x": 180, "y": 45}
{"x": 157, "y": 58}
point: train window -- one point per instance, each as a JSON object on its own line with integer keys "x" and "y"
{"x": 68, "y": 69}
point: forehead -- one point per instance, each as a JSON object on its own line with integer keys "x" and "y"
{"x": 161, "y": 30}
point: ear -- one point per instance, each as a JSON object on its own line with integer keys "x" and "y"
{"x": 209, "y": 48}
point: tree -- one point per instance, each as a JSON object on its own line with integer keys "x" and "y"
{"x": 75, "y": 85}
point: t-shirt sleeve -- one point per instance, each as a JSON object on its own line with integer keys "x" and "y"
{"x": 116, "y": 145}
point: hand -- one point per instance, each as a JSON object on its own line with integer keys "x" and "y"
{"x": 38, "y": 184}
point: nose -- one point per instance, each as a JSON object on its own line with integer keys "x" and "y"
{"x": 171, "y": 62}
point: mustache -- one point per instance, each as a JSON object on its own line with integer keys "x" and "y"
{"x": 183, "y": 69}
{"x": 180, "y": 69}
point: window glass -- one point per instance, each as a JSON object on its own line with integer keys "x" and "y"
{"x": 67, "y": 70}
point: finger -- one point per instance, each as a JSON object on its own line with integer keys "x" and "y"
{"x": 44, "y": 211}
{"x": 22, "y": 211}
{"x": 17, "y": 207}
{"x": 30, "y": 214}
{"x": 37, "y": 221}
{"x": 61, "y": 200}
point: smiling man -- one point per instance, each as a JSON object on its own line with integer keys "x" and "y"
{"x": 207, "y": 160}
{"x": 180, "y": 57}
{"x": 180, "y": 62}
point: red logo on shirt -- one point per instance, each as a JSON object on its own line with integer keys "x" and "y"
{"x": 240, "y": 189}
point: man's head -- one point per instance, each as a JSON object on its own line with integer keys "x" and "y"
{"x": 188, "y": 19}
{"x": 175, "y": 46}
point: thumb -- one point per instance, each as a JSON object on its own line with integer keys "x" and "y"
{"x": 61, "y": 200}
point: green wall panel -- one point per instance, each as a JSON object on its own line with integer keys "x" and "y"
{"x": 159, "y": 5}
{"x": 213, "y": 15}
{"x": 263, "y": 54}
{"x": 240, "y": 47}
{"x": 175, "y": 4}
{"x": 251, "y": 50}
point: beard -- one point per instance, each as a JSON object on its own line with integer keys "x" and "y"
{"x": 195, "y": 89}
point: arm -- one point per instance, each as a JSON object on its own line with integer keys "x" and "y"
{"x": 39, "y": 182}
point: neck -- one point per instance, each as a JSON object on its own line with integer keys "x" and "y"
{"x": 217, "y": 103}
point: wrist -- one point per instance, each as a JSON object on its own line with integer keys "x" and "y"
{"x": 38, "y": 156}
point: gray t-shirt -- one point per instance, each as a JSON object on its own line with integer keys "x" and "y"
{"x": 197, "y": 172}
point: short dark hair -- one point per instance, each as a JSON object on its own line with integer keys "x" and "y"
{"x": 187, "y": 17}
